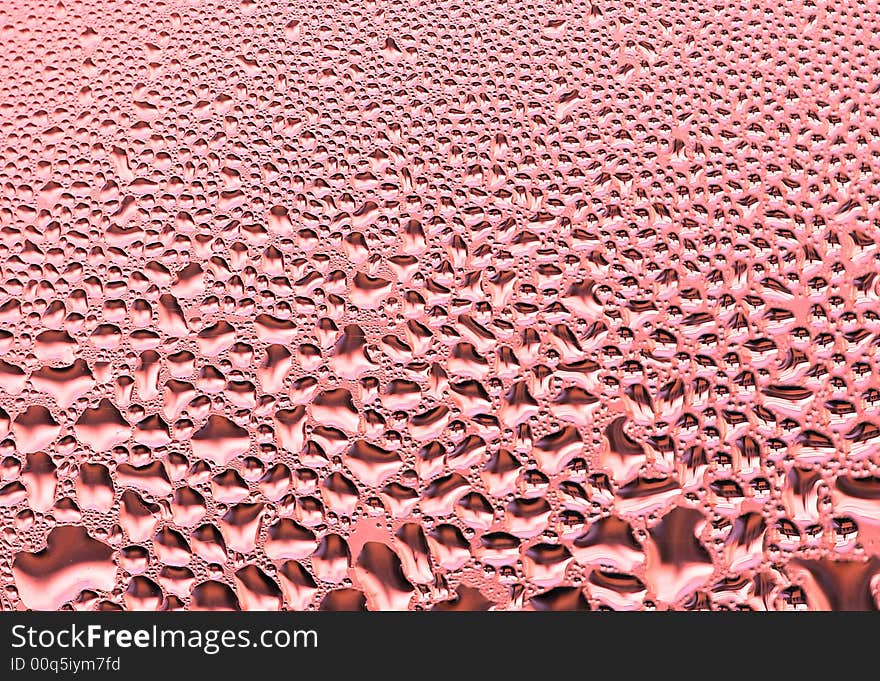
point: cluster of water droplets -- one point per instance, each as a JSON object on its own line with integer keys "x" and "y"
{"x": 387, "y": 305}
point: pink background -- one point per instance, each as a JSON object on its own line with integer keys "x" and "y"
{"x": 400, "y": 305}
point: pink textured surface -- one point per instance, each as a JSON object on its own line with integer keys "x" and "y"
{"x": 441, "y": 305}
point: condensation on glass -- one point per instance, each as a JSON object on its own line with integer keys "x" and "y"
{"x": 401, "y": 305}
